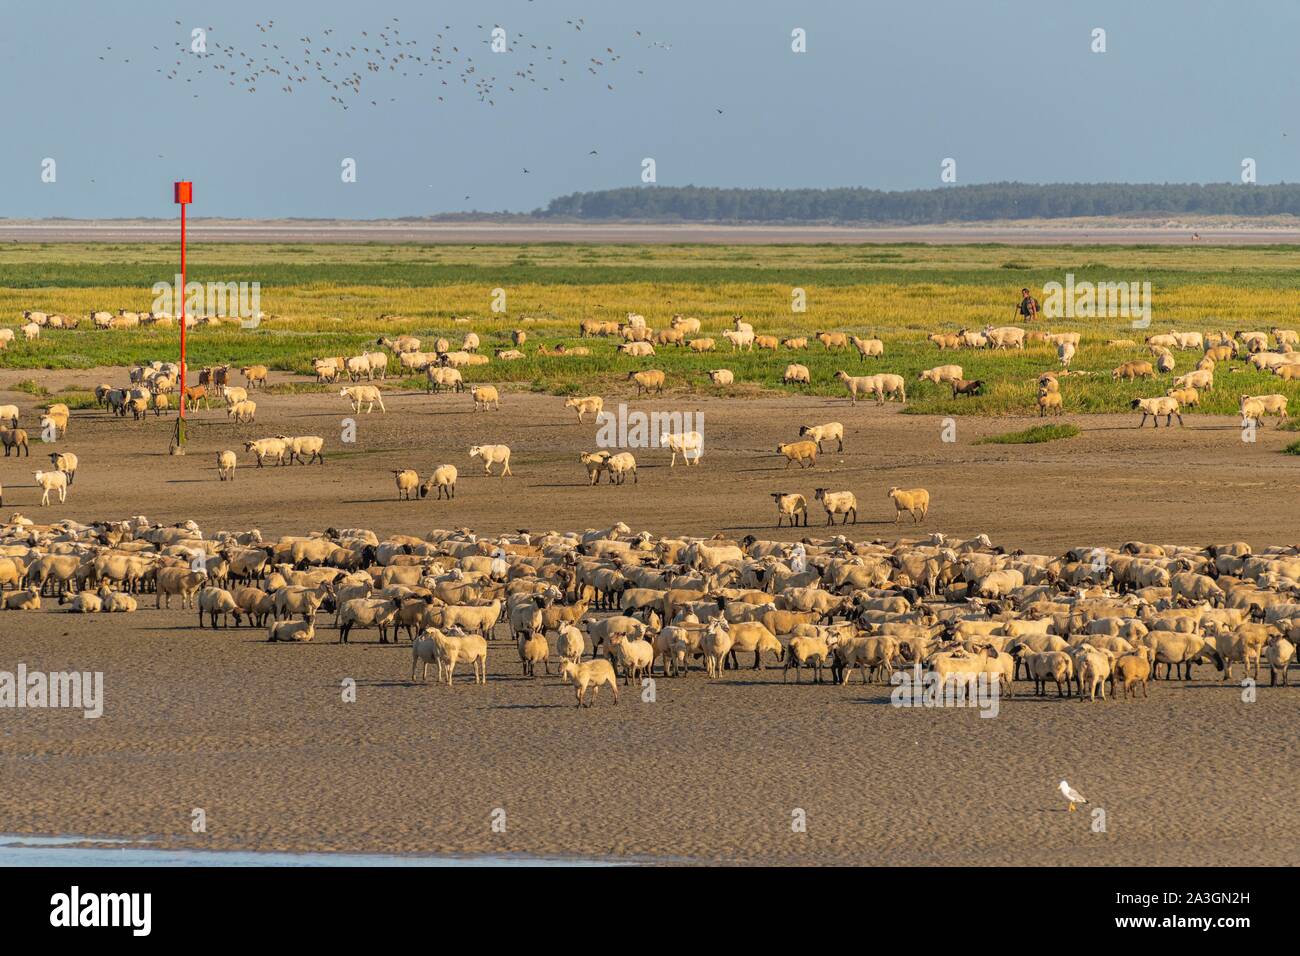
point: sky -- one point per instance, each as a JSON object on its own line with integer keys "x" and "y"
{"x": 885, "y": 92}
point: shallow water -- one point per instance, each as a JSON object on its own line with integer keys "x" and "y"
{"x": 23, "y": 850}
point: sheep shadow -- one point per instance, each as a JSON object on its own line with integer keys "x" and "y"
{"x": 531, "y": 707}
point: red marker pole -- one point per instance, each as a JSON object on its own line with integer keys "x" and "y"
{"x": 183, "y": 195}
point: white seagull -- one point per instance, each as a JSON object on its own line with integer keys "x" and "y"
{"x": 1072, "y": 795}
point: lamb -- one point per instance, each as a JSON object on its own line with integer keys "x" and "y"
{"x": 485, "y": 397}
{"x": 491, "y": 455}
{"x": 367, "y": 395}
{"x": 1185, "y": 396}
{"x": 915, "y": 502}
{"x": 1155, "y": 407}
{"x": 837, "y": 503}
{"x": 593, "y": 674}
{"x": 9, "y": 413}
{"x": 796, "y": 344}
{"x": 1049, "y": 401}
{"x": 942, "y": 373}
{"x": 86, "y": 602}
{"x": 49, "y": 481}
{"x": 226, "y": 462}
{"x": 721, "y": 376}
{"x": 683, "y": 444}
{"x": 945, "y": 340}
{"x": 821, "y": 433}
{"x": 651, "y": 380}
{"x": 592, "y": 404}
{"x": 15, "y": 439}
{"x": 790, "y": 506}
{"x": 291, "y": 631}
{"x": 799, "y": 451}
{"x": 443, "y": 481}
{"x": 796, "y": 374}
{"x": 1065, "y": 353}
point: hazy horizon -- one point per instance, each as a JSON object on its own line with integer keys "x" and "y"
{"x": 881, "y": 97}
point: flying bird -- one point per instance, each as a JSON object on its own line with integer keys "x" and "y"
{"x": 1072, "y": 795}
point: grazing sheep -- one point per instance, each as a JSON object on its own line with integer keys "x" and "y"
{"x": 438, "y": 377}
{"x": 838, "y": 503}
{"x": 833, "y": 340}
{"x": 945, "y": 340}
{"x": 443, "y": 481}
{"x": 1263, "y": 405}
{"x": 857, "y": 385}
{"x": 868, "y": 348}
{"x": 491, "y": 455}
{"x": 941, "y": 374}
{"x": 790, "y": 506}
{"x": 963, "y": 387}
{"x": 243, "y": 412}
{"x": 651, "y": 380}
{"x": 721, "y": 376}
{"x": 915, "y": 501}
{"x": 592, "y": 404}
{"x": 49, "y": 481}
{"x": 15, "y": 440}
{"x": 1133, "y": 370}
{"x": 226, "y": 462}
{"x": 368, "y": 395}
{"x": 821, "y": 433}
{"x": 691, "y": 326}
{"x": 218, "y": 602}
{"x": 1202, "y": 379}
{"x": 742, "y": 339}
{"x": 1185, "y": 396}
{"x": 799, "y": 451}
{"x": 620, "y": 466}
{"x": 796, "y": 374}
{"x": 593, "y": 674}
{"x": 1155, "y": 407}
{"x": 485, "y": 397}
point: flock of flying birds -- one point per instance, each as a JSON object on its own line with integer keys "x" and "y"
{"x": 340, "y": 67}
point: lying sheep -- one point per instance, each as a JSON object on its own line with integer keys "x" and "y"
{"x": 796, "y": 374}
{"x": 291, "y": 631}
{"x": 915, "y": 502}
{"x": 721, "y": 376}
{"x": 1130, "y": 371}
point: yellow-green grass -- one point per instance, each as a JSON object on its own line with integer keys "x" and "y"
{"x": 331, "y": 299}
{"x": 1032, "y": 436}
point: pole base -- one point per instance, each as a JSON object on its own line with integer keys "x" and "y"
{"x": 177, "y": 446}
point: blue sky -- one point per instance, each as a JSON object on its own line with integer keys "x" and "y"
{"x": 884, "y": 93}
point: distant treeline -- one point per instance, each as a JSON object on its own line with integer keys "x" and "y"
{"x": 923, "y": 206}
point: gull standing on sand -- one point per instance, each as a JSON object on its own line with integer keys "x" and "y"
{"x": 1072, "y": 795}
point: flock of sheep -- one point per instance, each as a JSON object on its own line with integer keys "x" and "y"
{"x": 607, "y": 603}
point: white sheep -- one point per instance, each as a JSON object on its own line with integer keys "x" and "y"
{"x": 52, "y": 481}
{"x": 491, "y": 455}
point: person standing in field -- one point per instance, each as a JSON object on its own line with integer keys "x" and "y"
{"x": 1028, "y": 306}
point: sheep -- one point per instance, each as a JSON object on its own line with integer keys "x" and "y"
{"x": 55, "y": 420}
{"x": 1155, "y": 407}
{"x": 796, "y": 344}
{"x": 620, "y": 466}
{"x": 1007, "y": 336}
{"x": 833, "y": 340}
{"x": 799, "y": 451}
{"x": 254, "y": 375}
{"x": 408, "y": 482}
{"x": 941, "y": 374}
{"x": 821, "y": 433}
{"x": 963, "y": 387}
{"x": 700, "y": 345}
{"x": 1049, "y": 401}
{"x": 1202, "y": 379}
{"x": 790, "y": 506}
{"x": 1134, "y": 670}
{"x": 796, "y": 374}
{"x": 593, "y": 674}
{"x": 1279, "y": 652}
{"x": 857, "y": 385}
{"x": 28, "y": 599}
{"x": 181, "y": 581}
{"x": 65, "y": 462}
{"x": 533, "y": 649}
{"x": 812, "y": 651}
{"x": 264, "y": 448}
{"x": 485, "y": 397}
{"x": 1267, "y": 404}
{"x": 218, "y": 602}
{"x": 226, "y": 461}
{"x": 868, "y": 348}
{"x": 115, "y": 602}
{"x": 742, "y": 339}
{"x": 1185, "y": 396}
{"x": 685, "y": 325}
{"x": 636, "y": 656}
{"x": 15, "y": 440}
{"x": 470, "y": 343}
{"x": 49, "y": 481}
{"x": 886, "y": 385}
{"x": 915, "y": 502}
{"x": 646, "y": 350}
{"x": 837, "y": 503}
{"x": 1065, "y": 353}
{"x": 650, "y": 380}
{"x": 291, "y": 631}
{"x": 592, "y": 404}
{"x": 9, "y": 413}
{"x": 945, "y": 340}
{"x": 443, "y": 481}
{"x": 571, "y": 645}
{"x": 242, "y": 413}
{"x": 86, "y": 602}
{"x": 721, "y": 376}
{"x": 367, "y": 395}
{"x": 1094, "y": 668}
{"x": 31, "y": 331}
{"x": 367, "y": 612}
{"x": 1133, "y": 370}
{"x": 491, "y": 455}
{"x": 438, "y": 378}
{"x": 231, "y": 394}
{"x": 304, "y": 448}
{"x": 1056, "y": 666}
{"x": 683, "y": 443}
{"x": 716, "y": 644}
